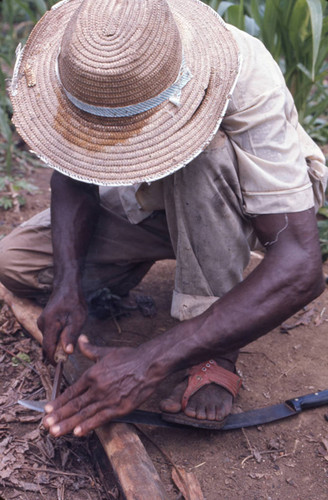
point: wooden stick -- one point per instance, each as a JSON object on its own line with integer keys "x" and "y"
{"x": 131, "y": 463}
{"x": 26, "y": 312}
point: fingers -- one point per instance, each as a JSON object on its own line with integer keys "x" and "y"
{"x": 72, "y": 329}
{"x": 80, "y": 414}
{"x": 68, "y": 339}
{"x": 50, "y": 339}
{"x": 64, "y": 419}
{"x": 103, "y": 392}
{"x": 90, "y": 351}
{"x": 104, "y": 416}
{"x": 63, "y": 317}
{"x": 83, "y": 422}
{"x": 72, "y": 392}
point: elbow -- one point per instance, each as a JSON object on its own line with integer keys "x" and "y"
{"x": 310, "y": 282}
{"x": 316, "y": 286}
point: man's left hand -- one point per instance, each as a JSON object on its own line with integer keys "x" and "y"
{"x": 114, "y": 386}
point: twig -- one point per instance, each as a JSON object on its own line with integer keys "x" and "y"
{"x": 36, "y": 458}
{"x": 267, "y": 452}
{"x": 61, "y": 492}
{"x": 59, "y": 472}
{"x": 254, "y": 451}
{"x": 20, "y": 360}
{"x": 284, "y": 455}
{"x": 247, "y": 458}
{"x": 119, "y": 329}
{"x": 39, "y": 485}
{"x": 284, "y": 374}
{"x": 198, "y": 465}
{"x": 250, "y": 447}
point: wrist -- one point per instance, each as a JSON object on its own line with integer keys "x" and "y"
{"x": 68, "y": 275}
{"x": 158, "y": 358}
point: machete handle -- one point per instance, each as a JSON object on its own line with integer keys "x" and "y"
{"x": 309, "y": 401}
{"x": 60, "y": 354}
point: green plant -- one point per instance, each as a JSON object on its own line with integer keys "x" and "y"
{"x": 11, "y": 192}
{"x": 17, "y": 18}
{"x": 323, "y": 231}
{"x": 21, "y": 357}
{"x": 295, "y": 32}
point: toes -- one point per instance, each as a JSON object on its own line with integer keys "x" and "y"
{"x": 191, "y": 412}
{"x": 221, "y": 413}
{"x": 172, "y": 404}
{"x": 211, "y": 412}
{"x": 210, "y": 403}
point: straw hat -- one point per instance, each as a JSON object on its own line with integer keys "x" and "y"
{"x": 116, "y": 92}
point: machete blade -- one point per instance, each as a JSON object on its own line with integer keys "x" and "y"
{"x": 236, "y": 420}
{"x": 249, "y": 418}
{"x": 259, "y": 416}
{"x": 33, "y": 405}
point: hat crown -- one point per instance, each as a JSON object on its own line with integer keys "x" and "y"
{"x": 116, "y": 53}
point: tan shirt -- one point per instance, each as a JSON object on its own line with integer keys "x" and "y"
{"x": 280, "y": 168}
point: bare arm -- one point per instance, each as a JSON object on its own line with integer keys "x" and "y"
{"x": 74, "y": 212}
{"x": 288, "y": 278}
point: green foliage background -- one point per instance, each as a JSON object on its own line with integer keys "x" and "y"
{"x": 296, "y": 33}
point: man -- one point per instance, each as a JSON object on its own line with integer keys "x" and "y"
{"x": 192, "y": 122}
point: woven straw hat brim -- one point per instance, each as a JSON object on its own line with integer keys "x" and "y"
{"x": 123, "y": 151}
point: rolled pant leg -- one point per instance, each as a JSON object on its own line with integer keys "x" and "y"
{"x": 210, "y": 234}
{"x": 119, "y": 255}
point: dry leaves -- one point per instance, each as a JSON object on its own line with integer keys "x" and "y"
{"x": 33, "y": 464}
{"x": 8, "y": 323}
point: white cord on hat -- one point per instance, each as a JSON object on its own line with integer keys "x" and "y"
{"x": 172, "y": 94}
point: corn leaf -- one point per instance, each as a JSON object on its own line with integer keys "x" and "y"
{"x": 316, "y": 23}
{"x": 223, "y": 7}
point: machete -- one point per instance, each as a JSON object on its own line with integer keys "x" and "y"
{"x": 250, "y": 418}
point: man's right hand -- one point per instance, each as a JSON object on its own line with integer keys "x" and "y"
{"x": 74, "y": 215}
{"x": 61, "y": 321}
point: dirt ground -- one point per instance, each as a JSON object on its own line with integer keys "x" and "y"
{"x": 286, "y": 459}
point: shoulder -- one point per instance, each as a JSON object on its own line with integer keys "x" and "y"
{"x": 259, "y": 73}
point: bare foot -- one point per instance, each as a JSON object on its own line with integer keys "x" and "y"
{"x": 211, "y": 402}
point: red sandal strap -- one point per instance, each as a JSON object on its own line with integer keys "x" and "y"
{"x": 208, "y": 373}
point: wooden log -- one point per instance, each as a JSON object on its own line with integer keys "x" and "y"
{"x": 187, "y": 484}
{"x": 25, "y": 311}
{"x": 131, "y": 463}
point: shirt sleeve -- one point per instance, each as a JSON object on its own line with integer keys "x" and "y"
{"x": 261, "y": 122}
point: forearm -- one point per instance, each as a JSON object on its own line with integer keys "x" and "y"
{"x": 74, "y": 211}
{"x": 74, "y": 214}
{"x": 289, "y": 277}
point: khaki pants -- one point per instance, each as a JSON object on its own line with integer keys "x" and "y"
{"x": 203, "y": 227}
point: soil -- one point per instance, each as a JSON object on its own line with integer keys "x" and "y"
{"x": 285, "y": 459}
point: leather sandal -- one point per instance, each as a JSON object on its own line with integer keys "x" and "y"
{"x": 199, "y": 376}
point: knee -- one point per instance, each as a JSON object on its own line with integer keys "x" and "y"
{"x": 9, "y": 262}
{"x": 16, "y": 271}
